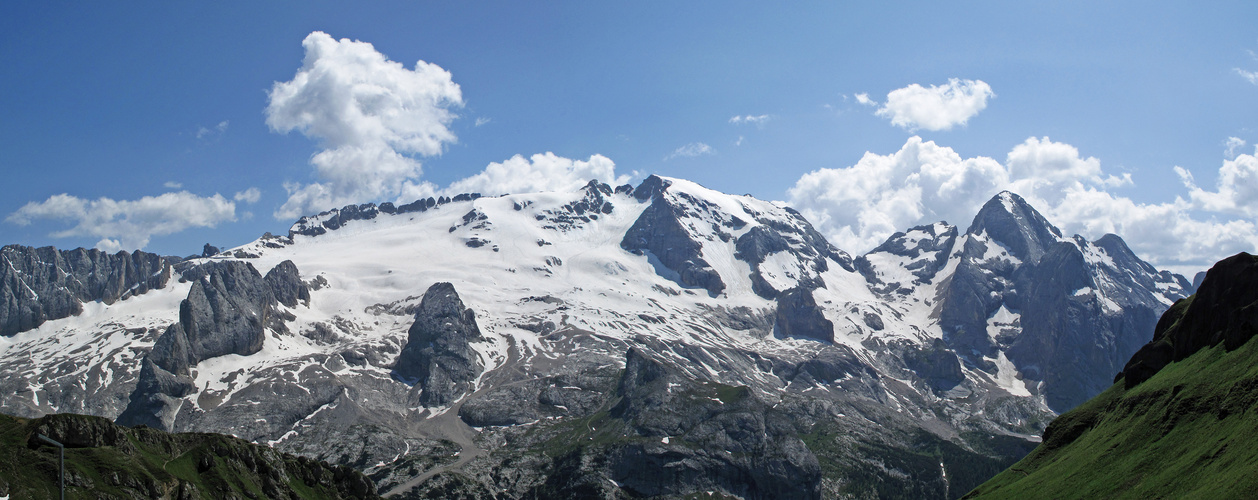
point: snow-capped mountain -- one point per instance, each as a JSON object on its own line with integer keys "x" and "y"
{"x": 663, "y": 339}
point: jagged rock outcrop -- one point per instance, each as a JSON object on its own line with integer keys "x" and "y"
{"x": 285, "y": 282}
{"x": 799, "y": 316}
{"x": 228, "y": 311}
{"x": 1223, "y": 311}
{"x": 659, "y": 231}
{"x": 926, "y": 250}
{"x": 703, "y": 437}
{"x": 336, "y": 218}
{"x": 42, "y": 284}
{"x": 104, "y": 460}
{"x": 438, "y": 357}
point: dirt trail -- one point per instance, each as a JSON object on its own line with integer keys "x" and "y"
{"x": 449, "y": 426}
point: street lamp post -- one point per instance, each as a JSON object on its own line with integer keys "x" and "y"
{"x": 63, "y": 463}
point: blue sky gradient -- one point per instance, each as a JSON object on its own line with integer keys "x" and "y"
{"x": 99, "y": 101}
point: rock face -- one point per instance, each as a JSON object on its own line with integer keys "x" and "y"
{"x": 1065, "y": 311}
{"x": 438, "y": 357}
{"x": 799, "y": 316}
{"x": 104, "y": 460}
{"x": 285, "y": 283}
{"x": 678, "y": 437}
{"x": 228, "y": 311}
{"x": 1224, "y": 311}
{"x": 659, "y": 231}
{"x": 41, "y": 284}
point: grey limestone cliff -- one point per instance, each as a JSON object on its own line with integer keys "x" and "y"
{"x": 228, "y": 311}
{"x": 42, "y": 284}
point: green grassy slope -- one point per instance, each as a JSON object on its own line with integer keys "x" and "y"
{"x": 108, "y": 461}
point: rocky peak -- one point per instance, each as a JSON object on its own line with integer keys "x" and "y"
{"x": 285, "y": 283}
{"x": 650, "y": 187}
{"x": 1011, "y": 221}
{"x": 438, "y": 357}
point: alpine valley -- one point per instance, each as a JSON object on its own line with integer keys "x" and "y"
{"x": 657, "y": 341}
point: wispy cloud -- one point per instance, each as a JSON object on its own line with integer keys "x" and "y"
{"x": 691, "y": 150}
{"x": 1232, "y": 144}
{"x": 173, "y": 185}
{"x": 864, "y": 99}
{"x": 128, "y": 224}
{"x": 1249, "y": 76}
{"x": 758, "y": 120}
{"x": 936, "y": 107}
{"x": 219, "y": 129}
{"x": 481, "y": 121}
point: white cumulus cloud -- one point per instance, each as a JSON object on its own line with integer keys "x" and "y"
{"x": 128, "y": 224}
{"x": 1236, "y": 191}
{"x": 369, "y": 115}
{"x": 691, "y": 150}
{"x": 859, "y": 206}
{"x": 936, "y": 107}
{"x": 539, "y": 173}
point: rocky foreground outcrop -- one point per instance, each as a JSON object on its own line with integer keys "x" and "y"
{"x": 104, "y": 460}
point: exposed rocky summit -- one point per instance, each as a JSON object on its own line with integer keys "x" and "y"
{"x": 1065, "y": 311}
{"x": 438, "y": 357}
{"x": 659, "y": 230}
{"x": 41, "y": 284}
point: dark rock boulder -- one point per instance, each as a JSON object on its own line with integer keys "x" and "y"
{"x": 209, "y": 250}
{"x": 42, "y": 284}
{"x": 438, "y": 357}
{"x": 799, "y": 316}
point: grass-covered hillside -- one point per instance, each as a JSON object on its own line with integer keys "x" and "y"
{"x": 1180, "y": 422}
{"x": 103, "y": 460}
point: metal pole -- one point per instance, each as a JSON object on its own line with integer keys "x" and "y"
{"x": 63, "y": 463}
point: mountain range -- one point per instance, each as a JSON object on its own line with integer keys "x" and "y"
{"x": 661, "y": 340}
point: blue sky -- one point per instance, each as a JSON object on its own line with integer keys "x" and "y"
{"x": 156, "y": 125}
